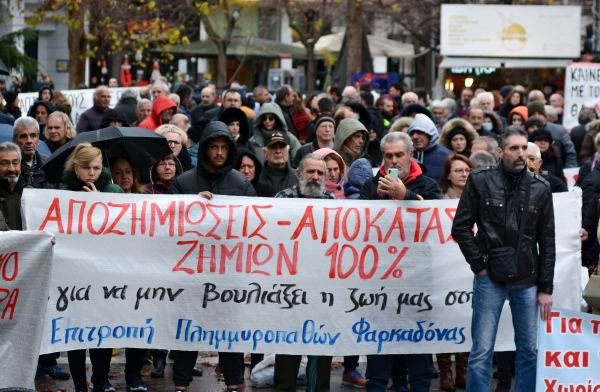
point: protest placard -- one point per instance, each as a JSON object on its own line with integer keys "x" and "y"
{"x": 568, "y": 352}
{"x": 80, "y": 100}
{"x": 571, "y": 175}
{"x": 294, "y": 276}
{"x": 582, "y": 88}
{"x": 25, "y": 266}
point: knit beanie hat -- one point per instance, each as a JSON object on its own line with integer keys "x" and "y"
{"x": 10, "y": 96}
{"x": 536, "y": 107}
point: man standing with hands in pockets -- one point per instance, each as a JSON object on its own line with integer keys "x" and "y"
{"x": 512, "y": 256}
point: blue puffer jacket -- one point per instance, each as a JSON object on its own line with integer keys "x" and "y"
{"x": 434, "y": 155}
{"x": 359, "y": 173}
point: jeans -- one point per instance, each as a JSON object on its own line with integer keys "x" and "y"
{"x": 379, "y": 368}
{"x": 488, "y": 300}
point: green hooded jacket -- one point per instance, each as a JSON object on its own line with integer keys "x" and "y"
{"x": 258, "y": 139}
{"x": 345, "y": 129}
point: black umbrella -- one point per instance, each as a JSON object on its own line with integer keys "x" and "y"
{"x": 144, "y": 146}
{"x": 3, "y": 68}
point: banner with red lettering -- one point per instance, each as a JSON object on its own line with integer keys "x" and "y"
{"x": 295, "y": 276}
{"x": 25, "y": 267}
{"x": 568, "y": 352}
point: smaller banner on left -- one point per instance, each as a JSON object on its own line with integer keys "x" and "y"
{"x": 25, "y": 270}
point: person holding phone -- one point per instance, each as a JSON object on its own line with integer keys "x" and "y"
{"x": 399, "y": 178}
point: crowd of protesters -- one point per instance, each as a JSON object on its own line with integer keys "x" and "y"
{"x": 324, "y": 146}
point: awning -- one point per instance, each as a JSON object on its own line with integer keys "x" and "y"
{"x": 379, "y": 47}
{"x": 482, "y": 62}
{"x": 257, "y": 48}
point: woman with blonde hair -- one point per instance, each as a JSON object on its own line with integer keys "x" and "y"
{"x": 59, "y": 131}
{"x": 178, "y": 141}
{"x": 84, "y": 173}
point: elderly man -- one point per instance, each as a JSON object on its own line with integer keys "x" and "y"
{"x": 285, "y": 99}
{"x": 486, "y": 102}
{"x": 26, "y": 134}
{"x": 464, "y": 102}
{"x": 558, "y": 102}
{"x": 552, "y": 114}
{"x": 90, "y": 119}
{"x": 160, "y": 89}
{"x": 485, "y": 143}
{"x": 482, "y": 158}
{"x": 349, "y": 94}
{"x": 411, "y": 184}
{"x": 536, "y": 96}
{"x": 277, "y": 172}
{"x": 436, "y": 107}
{"x": 142, "y": 112}
{"x": 428, "y": 152}
{"x": 208, "y": 103}
{"x": 475, "y": 116}
{"x": 449, "y": 109}
{"x": 352, "y": 141}
{"x": 559, "y": 134}
{"x": 181, "y": 121}
{"x": 261, "y": 96}
{"x": 409, "y": 98}
{"x": 535, "y": 157}
{"x": 324, "y": 131}
{"x": 163, "y": 110}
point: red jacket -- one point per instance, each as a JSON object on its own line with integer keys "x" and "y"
{"x": 160, "y": 105}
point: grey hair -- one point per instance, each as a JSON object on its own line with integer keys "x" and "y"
{"x": 449, "y": 104}
{"x": 538, "y": 153}
{"x": 142, "y": 101}
{"x": 491, "y": 143}
{"x": 405, "y": 95}
{"x": 96, "y": 91}
{"x": 396, "y": 136}
{"x": 311, "y": 156}
{"x": 535, "y": 95}
{"x": 486, "y": 94}
{"x": 166, "y": 86}
{"x": 129, "y": 93}
{"x": 436, "y": 104}
{"x": 349, "y": 88}
{"x": 25, "y": 122}
{"x": 8, "y": 146}
{"x": 597, "y": 140}
{"x": 482, "y": 158}
{"x": 551, "y": 111}
{"x": 586, "y": 114}
{"x": 259, "y": 89}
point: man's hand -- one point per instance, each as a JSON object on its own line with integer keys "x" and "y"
{"x": 482, "y": 272}
{"x": 372, "y": 136}
{"x": 393, "y": 188}
{"x": 545, "y": 301}
{"x": 206, "y": 195}
{"x": 583, "y": 235}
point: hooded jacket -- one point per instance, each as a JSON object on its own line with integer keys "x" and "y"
{"x": 258, "y": 139}
{"x": 338, "y": 188}
{"x": 434, "y": 155}
{"x": 128, "y": 106}
{"x": 50, "y": 108}
{"x": 262, "y": 189}
{"x": 113, "y": 115}
{"x": 225, "y": 181}
{"x": 587, "y": 146}
{"x": 345, "y": 129}
{"x": 447, "y": 129}
{"x": 232, "y": 114}
{"x": 358, "y": 174}
{"x": 156, "y": 186}
{"x": 31, "y": 111}
{"x": 400, "y": 123}
{"x": 160, "y": 105}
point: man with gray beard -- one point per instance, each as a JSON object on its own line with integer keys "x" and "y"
{"x": 311, "y": 180}
{"x": 11, "y": 185}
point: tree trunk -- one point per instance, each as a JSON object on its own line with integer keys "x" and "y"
{"x": 77, "y": 46}
{"x": 354, "y": 44}
{"x": 222, "y": 58}
{"x": 311, "y": 69}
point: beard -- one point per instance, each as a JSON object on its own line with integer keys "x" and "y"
{"x": 402, "y": 171}
{"x": 11, "y": 180}
{"x": 311, "y": 188}
{"x": 515, "y": 166}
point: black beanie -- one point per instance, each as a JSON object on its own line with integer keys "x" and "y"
{"x": 10, "y": 97}
{"x": 195, "y": 132}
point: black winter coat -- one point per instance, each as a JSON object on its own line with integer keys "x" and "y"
{"x": 226, "y": 181}
{"x": 493, "y": 199}
{"x": 421, "y": 186}
{"x": 552, "y": 163}
{"x": 262, "y": 189}
{"x": 128, "y": 107}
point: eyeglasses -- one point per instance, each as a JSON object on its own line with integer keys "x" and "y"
{"x": 175, "y": 142}
{"x": 269, "y": 118}
{"x": 461, "y": 171}
{"x": 166, "y": 164}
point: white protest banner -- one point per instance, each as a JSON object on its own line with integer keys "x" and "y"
{"x": 25, "y": 267}
{"x": 80, "y": 100}
{"x": 571, "y": 174}
{"x": 582, "y": 88}
{"x": 288, "y": 276}
{"x": 568, "y": 348}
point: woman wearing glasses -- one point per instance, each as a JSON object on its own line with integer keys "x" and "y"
{"x": 270, "y": 119}
{"x": 163, "y": 175}
{"x": 177, "y": 140}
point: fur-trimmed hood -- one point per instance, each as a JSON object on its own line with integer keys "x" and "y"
{"x": 595, "y": 125}
{"x": 456, "y": 123}
{"x": 401, "y": 123}
{"x": 497, "y": 123}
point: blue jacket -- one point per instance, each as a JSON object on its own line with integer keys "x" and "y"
{"x": 193, "y": 151}
{"x": 359, "y": 173}
{"x": 434, "y": 155}
{"x": 6, "y": 119}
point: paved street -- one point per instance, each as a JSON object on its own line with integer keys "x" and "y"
{"x": 209, "y": 382}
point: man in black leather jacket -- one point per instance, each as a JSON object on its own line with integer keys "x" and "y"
{"x": 493, "y": 199}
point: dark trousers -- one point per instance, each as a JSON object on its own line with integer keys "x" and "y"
{"x": 506, "y": 364}
{"x": 232, "y": 366}
{"x": 255, "y": 359}
{"x": 134, "y": 361}
{"x": 183, "y": 367}
{"x": 48, "y": 360}
{"x": 379, "y": 368}
{"x": 286, "y": 373}
{"x": 350, "y": 363}
{"x": 100, "y": 358}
